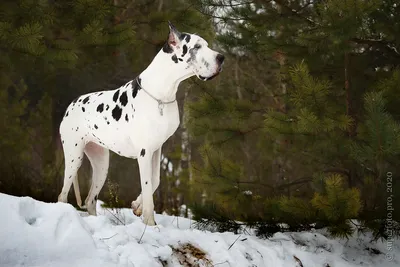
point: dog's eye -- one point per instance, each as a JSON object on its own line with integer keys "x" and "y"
{"x": 197, "y": 46}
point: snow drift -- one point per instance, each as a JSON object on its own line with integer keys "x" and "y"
{"x": 34, "y": 233}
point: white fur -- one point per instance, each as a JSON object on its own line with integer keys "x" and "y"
{"x": 146, "y": 129}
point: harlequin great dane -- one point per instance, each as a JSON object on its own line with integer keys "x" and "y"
{"x": 134, "y": 120}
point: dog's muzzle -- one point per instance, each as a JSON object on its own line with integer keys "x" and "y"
{"x": 211, "y": 77}
{"x": 220, "y": 60}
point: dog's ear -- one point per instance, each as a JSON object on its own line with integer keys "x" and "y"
{"x": 173, "y": 36}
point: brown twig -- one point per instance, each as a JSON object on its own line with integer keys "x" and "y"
{"x": 106, "y": 238}
{"x": 298, "y": 261}
{"x": 115, "y": 216}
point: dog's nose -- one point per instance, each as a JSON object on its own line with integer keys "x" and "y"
{"x": 220, "y": 58}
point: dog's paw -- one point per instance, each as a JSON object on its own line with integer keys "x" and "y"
{"x": 62, "y": 198}
{"x": 137, "y": 208}
{"x": 149, "y": 221}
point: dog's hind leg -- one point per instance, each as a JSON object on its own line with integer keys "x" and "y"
{"x": 99, "y": 159}
{"x": 73, "y": 156}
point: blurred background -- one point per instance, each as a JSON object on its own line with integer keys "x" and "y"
{"x": 301, "y": 127}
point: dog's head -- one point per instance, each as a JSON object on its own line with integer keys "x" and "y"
{"x": 193, "y": 51}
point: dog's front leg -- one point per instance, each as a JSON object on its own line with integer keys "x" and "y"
{"x": 146, "y": 172}
{"x": 155, "y": 182}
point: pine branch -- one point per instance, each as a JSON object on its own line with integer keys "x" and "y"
{"x": 388, "y": 46}
{"x": 296, "y": 13}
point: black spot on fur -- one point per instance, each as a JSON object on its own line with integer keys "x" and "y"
{"x": 116, "y": 95}
{"x": 76, "y": 99}
{"x": 180, "y": 59}
{"x": 83, "y": 109}
{"x": 80, "y": 100}
{"x": 72, "y": 160}
{"x": 146, "y": 182}
{"x": 85, "y": 100}
{"x": 95, "y": 197}
{"x": 128, "y": 84}
{"x": 174, "y": 58}
{"x": 123, "y": 99}
{"x": 108, "y": 122}
{"x": 126, "y": 117}
{"x": 100, "y": 94}
{"x": 107, "y": 107}
{"x": 184, "y": 50}
{"x": 192, "y": 52}
{"x": 66, "y": 114}
{"x": 76, "y": 144}
{"x": 100, "y": 108}
{"x": 63, "y": 141}
{"x": 95, "y": 126}
{"x": 136, "y": 89}
{"x": 117, "y": 112}
{"x": 77, "y": 128}
{"x": 167, "y": 48}
{"x": 185, "y": 36}
{"x": 143, "y": 152}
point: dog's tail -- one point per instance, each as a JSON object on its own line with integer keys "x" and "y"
{"x": 77, "y": 192}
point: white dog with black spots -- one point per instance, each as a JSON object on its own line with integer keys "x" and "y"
{"x": 134, "y": 120}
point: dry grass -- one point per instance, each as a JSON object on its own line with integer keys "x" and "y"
{"x": 190, "y": 256}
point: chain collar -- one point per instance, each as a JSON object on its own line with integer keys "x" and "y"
{"x": 161, "y": 103}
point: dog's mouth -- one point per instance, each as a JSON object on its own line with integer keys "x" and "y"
{"x": 212, "y": 76}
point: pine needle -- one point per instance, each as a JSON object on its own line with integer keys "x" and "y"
{"x": 140, "y": 239}
{"x": 234, "y": 242}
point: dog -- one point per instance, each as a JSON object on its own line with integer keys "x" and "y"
{"x": 134, "y": 120}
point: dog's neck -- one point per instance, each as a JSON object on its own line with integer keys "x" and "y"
{"x": 163, "y": 76}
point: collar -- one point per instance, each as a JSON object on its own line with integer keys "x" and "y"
{"x": 161, "y": 103}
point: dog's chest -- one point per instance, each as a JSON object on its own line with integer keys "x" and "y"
{"x": 151, "y": 125}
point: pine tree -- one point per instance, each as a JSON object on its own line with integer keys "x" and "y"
{"x": 326, "y": 69}
{"x": 337, "y": 206}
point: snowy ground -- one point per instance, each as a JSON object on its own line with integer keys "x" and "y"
{"x": 34, "y": 233}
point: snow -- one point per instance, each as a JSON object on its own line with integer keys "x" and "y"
{"x": 35, "y": 233}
